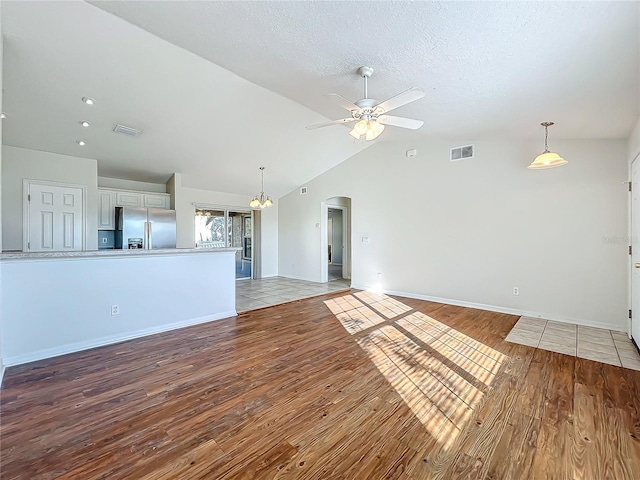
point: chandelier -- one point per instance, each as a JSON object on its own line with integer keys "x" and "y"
{"x": 262, "y": 200}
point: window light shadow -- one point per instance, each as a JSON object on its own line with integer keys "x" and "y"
{"x": 440, "y": 373}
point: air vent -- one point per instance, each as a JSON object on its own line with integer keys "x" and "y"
{"x": 461, "y": 153}
{"x": 303, "y": 190}
{"x": 124, "y": 130}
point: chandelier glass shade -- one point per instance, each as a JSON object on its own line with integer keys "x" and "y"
{"x": 369, "y": 128}
{"x": 547, "y": 159}
{"x": 262, "y": 200}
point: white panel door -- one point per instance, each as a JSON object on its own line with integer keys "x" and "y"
{"x": 55, "y": 218}
{"x": 635, "y": 250}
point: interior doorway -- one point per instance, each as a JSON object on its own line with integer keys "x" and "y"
{"x": 336, "y": 244}
{"x": 635, "y": 250}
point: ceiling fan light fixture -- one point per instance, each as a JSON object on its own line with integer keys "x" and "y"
{"x": 547, "y": 159}
{"x": 361, "y": 127}
{"x": 374, "y": 129}
{"x": 370, "y": 115}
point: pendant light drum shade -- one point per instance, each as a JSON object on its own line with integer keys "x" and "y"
{"x": 547, "y": 159}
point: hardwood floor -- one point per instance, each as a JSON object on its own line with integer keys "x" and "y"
{"x": 344, "y": 386}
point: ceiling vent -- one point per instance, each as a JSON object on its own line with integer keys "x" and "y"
{"x": 461, "y": 153}
{"x": 124, "y": 130}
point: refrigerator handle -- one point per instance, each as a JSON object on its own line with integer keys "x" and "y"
{"x": 145, "y": 240}
{"x": 149, "y": 236}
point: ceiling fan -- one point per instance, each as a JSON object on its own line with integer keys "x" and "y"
{"x": 371, "y": 116}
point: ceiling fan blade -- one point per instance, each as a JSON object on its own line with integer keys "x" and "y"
{"x": 400, "y": 122}
{"x": 343, "y": 102}
{"x": 326, "y": 124}
{"x": 401, "y": 99}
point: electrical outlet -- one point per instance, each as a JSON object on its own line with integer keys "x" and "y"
{"x": 115, "y": 310}
{"x": 516, "y": 291}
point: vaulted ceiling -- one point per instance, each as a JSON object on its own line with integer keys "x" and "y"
{"x": 221, "y": 88}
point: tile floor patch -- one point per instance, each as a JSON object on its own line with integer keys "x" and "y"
{"x": 266, "y": 292}
{"x": 597, "y": 344}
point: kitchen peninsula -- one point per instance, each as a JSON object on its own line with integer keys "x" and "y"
{"x": 55, "y": 303}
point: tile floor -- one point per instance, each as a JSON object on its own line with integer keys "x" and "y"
{"x": 265, "y": 292}
{"x": 600, "y": 345}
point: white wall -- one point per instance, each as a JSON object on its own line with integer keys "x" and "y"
{"x": 185, "y": 201}
{"x": 269, "y": 240}
{"x": 74, "y": 298}
{"x": 131, "y": 185}
{"x": 21, "y": 163}
{"x": 470, "y": 231}
{"x": 634, "y": 141}
{"x": 1, "y": 59}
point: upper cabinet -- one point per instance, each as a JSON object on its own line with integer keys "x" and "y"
{"x": 109, "y": 199}
{"x": 128, "y": 199}
{"x": 106, "y": 212}
{"x": 156, "y": 200}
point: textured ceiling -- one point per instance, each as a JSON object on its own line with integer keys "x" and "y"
{"x": 220, "y": 88}
{"x": 490, "y": 69}
{"x": 197, "y": 118}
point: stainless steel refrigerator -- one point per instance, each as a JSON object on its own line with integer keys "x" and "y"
{"x": 145, "y": 228}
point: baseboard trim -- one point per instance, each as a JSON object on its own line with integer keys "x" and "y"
{"x": 293, "y": 277}
{"x": 499, "y": 309}
{"x": 110, "y": 340}
{"x": 2, "y": 369}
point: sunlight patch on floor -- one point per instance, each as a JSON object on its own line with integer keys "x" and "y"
{"x": 440, "y": 373}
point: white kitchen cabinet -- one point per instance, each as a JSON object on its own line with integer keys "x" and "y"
{"x": 128, "y": 199}
{"x": 106, "y": 210}
{"x": 157, "y": 200}
{"x": 109, "y": 199}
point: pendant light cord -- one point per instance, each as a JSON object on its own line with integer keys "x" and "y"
{"x": 546, "y": 138}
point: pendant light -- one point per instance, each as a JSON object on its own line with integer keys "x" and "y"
{"x": 261, "y": 201}
{"x": 547, "y": 159}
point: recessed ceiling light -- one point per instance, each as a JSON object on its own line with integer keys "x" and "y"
{"x": 3, "y": 115}
{"x": 88, "y": 100}
{"x": 82, "y": 143}
{"x": 85, "y": 123}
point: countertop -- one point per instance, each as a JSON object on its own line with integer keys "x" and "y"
{"x": 111, "y": 253}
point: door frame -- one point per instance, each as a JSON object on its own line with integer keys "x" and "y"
{"x": 633, "y": 245}
{"x": 243, "y": 211}
{"x": 26, "y": 190}
{"x": 346, "y": 240}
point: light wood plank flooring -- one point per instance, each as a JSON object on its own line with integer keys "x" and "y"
{"x": 344, "y": 386}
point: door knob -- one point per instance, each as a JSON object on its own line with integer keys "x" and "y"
{"x": 637, "y": 265}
